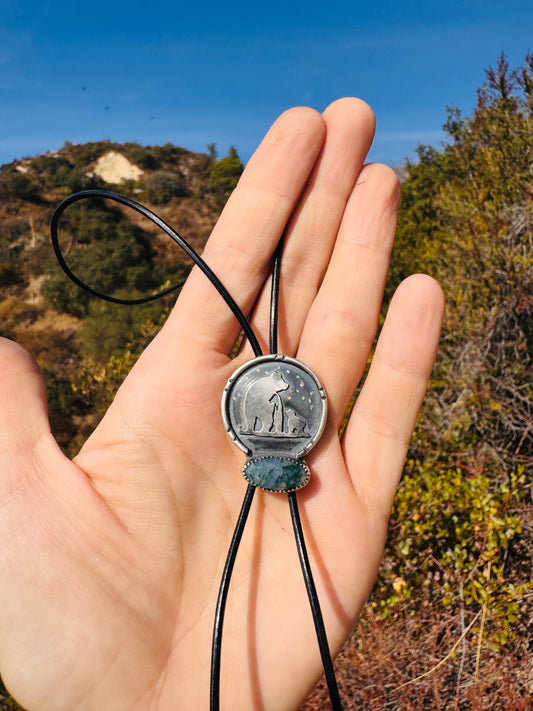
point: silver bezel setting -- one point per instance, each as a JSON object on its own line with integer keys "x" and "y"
{"x": 260, "y": 364}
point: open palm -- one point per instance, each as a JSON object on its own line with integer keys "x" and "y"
{"x": 110, "y": 564}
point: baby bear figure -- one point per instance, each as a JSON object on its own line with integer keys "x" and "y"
{"x": 262, "y": 409}
{"x": 294, "y": 424}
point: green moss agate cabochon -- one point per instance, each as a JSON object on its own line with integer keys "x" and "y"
{"x": 276, "y": 473}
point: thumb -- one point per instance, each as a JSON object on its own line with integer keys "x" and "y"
{"x": 23, "y": 410}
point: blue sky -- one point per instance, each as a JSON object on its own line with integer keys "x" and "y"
{"x": 193, "y": 73}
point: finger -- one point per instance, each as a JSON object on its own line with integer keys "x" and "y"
{"x": 311, "y": 233}
{"x": 380, "y": 427}
{"x": 241, "y": 246}
{"x": 23, "y": 410}
{"x": 342, "y": 322}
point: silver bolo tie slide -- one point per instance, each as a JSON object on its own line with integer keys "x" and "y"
{"x": 274, "y": 408}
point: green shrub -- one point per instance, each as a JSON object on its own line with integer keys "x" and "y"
{"x": 109, "y": 329}
{"x": 15, "y": 185}
{"x": 224, "y": 176}
{"x": 162, "y": 185}
{"x": 449, "y": 540}
{"x": 141, "y": 156}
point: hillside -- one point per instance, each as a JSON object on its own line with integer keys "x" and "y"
{"x": 72, "y": 336}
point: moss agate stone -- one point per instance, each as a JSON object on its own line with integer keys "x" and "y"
{"x": 276, "y": 473}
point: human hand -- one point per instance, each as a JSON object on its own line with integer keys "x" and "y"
{"x": 111, "y": 563}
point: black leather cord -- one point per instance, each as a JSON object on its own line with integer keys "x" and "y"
{"x": 250, "y": 491}
{"x": 314, "y": 602}
{"x": 274, "y": 297}
{"x": 325, "y": 654}
{"x": 216, "y": 648}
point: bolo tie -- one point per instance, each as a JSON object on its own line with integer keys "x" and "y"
{"x": 274, "y": 409}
